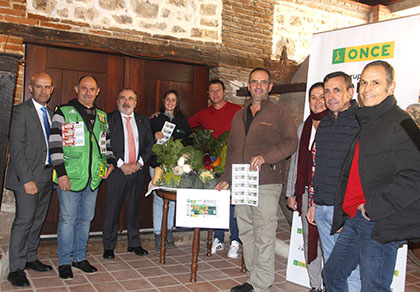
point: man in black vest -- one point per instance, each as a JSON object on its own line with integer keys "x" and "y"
{"x": 335, "y": 133}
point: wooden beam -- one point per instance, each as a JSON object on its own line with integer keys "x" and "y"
{"x": 52, "y": 37}
{"x": 277, "y": 89}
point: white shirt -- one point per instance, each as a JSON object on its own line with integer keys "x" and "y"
{"x": 133, "y": 124}
{"x": 312, "y": 138}
{"x": 41, "y": 120}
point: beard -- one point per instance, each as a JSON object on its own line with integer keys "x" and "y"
{"x": 126, "y": 108}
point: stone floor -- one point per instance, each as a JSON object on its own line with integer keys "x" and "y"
{"x": 129, "y": 272}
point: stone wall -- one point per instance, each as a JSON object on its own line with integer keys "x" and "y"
{"x": 296, "y": 23}
{"x": 191, "y": 19}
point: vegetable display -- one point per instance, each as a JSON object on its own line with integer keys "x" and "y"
{"x": 198, "y": 166}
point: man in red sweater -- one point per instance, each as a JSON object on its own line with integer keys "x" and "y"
{"x": 219, "y": 115}
{"x": 218, "y": 118}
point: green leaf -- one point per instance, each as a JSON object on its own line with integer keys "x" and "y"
{"x": 169, "y": 153}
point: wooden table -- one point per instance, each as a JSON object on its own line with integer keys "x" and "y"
{"x": 168, "y": 196}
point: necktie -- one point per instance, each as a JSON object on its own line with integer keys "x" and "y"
{"x": 131, "y": 144}
{"x": 47, "y": 129}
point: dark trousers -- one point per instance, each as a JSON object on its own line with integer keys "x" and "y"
{"x": 233, "y": 228}
{"x": 31, "y": 211}
{"x": 122, "y": 188}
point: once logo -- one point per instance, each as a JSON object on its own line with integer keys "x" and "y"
{"x": 363, "y": 53}
{"x": 299, "y": 263}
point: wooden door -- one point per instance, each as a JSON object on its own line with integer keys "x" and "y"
{"x": 152, "y": 79}
{"x": 149, "y": 78}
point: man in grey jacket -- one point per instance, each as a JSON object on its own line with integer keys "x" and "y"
{"x": 30, "y": 177}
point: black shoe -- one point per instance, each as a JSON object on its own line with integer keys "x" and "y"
{"x": 108, "y": 254}
{"x": 18, "y": 278}
{"x": 37, "y": 266}
{"x": 64, "y": 272}
{"x": 138, "y": 250}
{"x": 320, "y": 289}
{"x": 170, "y": 240}
{"x": 85, "y": 266}
{"x": 246, "y": 287}
{"x": 158, "y": 239}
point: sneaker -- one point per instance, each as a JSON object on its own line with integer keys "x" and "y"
{"x": 216, "y": 246}
{"x": 233, "y": 250}
{"x": 65, "y": 272}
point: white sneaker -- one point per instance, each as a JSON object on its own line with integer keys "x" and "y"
{"x": 216, "y": 246}
{"x": 233, "y": 250}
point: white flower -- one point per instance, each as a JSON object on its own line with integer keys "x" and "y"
{"x": 181, "y": 161}
{"x": 178, "y": 170}
{"x": 187, "y": 168}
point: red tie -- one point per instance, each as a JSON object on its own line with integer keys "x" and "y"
{"x": 131, "y": 143}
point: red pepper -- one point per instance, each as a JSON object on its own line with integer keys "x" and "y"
{"x": 210, "y": 167}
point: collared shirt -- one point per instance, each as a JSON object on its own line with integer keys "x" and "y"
{"x": 133, "y": 124}
{"x": 40, "y": 113}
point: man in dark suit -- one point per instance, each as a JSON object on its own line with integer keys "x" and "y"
{"x": 131, "y": 143}
{"x": 30, "y": 177}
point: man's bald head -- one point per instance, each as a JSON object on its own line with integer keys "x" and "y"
{"x": 41, "y": 87}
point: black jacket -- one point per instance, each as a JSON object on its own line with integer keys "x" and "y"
{"x": 389, "y": 167}
{"x": 181, "y": 131}
{"x": 333, "y": 139}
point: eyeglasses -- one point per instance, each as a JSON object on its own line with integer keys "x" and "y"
{"x": 262, "y": 82}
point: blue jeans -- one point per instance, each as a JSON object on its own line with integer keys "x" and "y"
{"x": 323, "y": 219}
{"x": 233, "y": 227}
{"x": 77, "y": 210}
{"x": 355, "y": 246}
{"x": 158, "y": 214}
{"x": 158, "y": 210}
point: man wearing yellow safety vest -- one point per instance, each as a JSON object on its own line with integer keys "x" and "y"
{"x": 81, "y": 154}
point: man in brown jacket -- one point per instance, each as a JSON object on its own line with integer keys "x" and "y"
{"x": 263, "y": 134}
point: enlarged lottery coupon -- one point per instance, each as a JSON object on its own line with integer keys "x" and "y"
{"x": 202, "y": 208}
{"x": 244, "y": 185}
{"x": 167, "y": 130}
